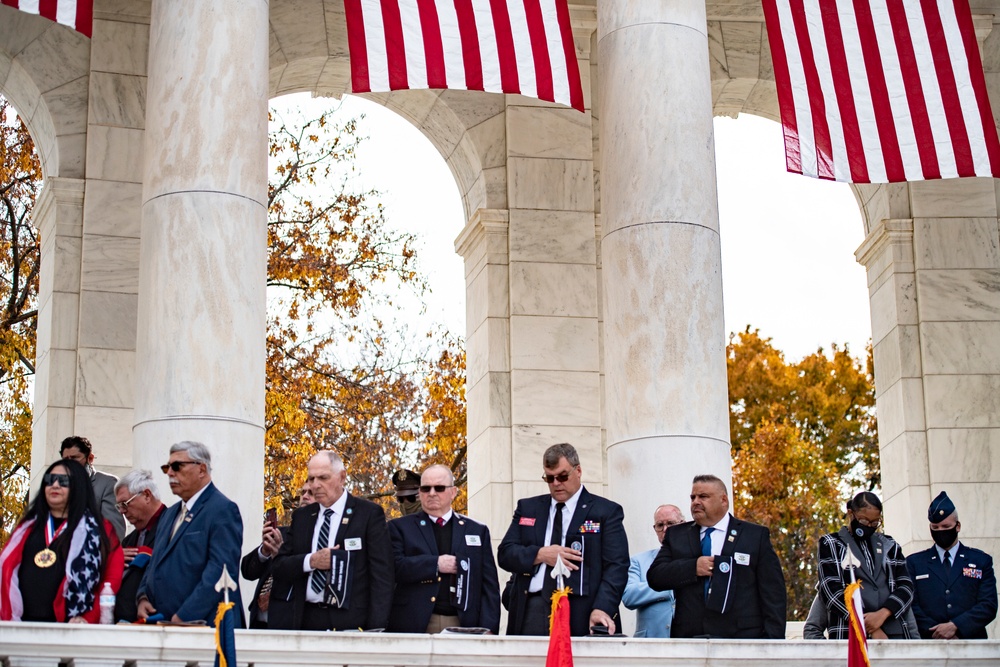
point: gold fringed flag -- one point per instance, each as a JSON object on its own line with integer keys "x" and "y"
{"x": 560, "y": 647}
{"x": 225, "y": 636}
{"x": 857, "y": 639}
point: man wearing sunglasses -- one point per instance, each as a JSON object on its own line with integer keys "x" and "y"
{"x": 139, "y": 502}
{"x": 585, "y": 531}
{"x": 195, "y": 538}
{"x": 445, "y": 573}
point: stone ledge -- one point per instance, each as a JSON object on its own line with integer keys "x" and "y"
{"x": 47, "y": 644}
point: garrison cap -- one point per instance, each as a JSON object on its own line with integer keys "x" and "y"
{"x": 941, "y": 508}
{"x": 406, "y": 482}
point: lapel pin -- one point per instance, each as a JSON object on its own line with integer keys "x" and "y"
{"x": 461, "y": 523}
{"x": 733, "y": 532}
{"x": 423, "y": 523}
{"x": 344, "y": 521}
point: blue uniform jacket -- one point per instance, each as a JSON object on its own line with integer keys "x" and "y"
{"x": 654, "y": 609}
{"x": 182, "y": 574}
{"x": 417, "y": 579}
{"x": 967, "y": 596}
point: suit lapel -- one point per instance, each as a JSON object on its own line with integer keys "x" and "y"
{"x": 542, "y": 518}
{"x": 878, "y": 543}
{"x": 694, "y": 538}
{"x": 583, "y": 505}
{"x": 168, "y": 517}
{"x": 426, "y": 529}
{"x": 339, "y": 531}
{"x": 935, "y": 566}
{"x": 729, "y": 541}
{"x": 458, "y": 529}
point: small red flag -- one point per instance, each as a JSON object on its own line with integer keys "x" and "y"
{"x": 560, "y": 647}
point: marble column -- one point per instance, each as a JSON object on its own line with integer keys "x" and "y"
{"x": 934, "y": 283}
{"x": 666, "y": 399}
{"x": 59, "y": 216}
{"x": 202, "y": 275}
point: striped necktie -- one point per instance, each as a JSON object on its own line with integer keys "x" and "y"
{"x": 318, "y": 577}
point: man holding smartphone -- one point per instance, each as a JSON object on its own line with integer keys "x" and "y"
{"x": 256, "y": 565}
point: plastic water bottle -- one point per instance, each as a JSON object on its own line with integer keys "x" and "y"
{"x": 107, "y": 605}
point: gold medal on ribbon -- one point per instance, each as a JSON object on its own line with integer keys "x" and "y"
{"x": 45, "y": 558}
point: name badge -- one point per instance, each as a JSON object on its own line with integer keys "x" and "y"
{"x": 473, "y": 541}
{"x": 921, "y": 576}
{"x": 526, "y": 521}
{"x": 742, "y": 559}
{"x": 352, "y": 544}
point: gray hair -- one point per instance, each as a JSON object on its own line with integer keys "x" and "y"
{"x": 550, "y": 459}
{"x": 336, "y": 462}
{"x": 195, "y": 450}
{"x": 137, "y": 481}
{"x": 711, "y": 479}
{"x": 672, "y": 508}
{"x": 451, "y": 475}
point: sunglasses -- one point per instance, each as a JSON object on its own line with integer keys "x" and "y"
{"x": 176, "y": 465}
{"x": 122, "y": 506}
{"x": 562, "y": 477}
{"x": 437, "y": 487}
{"x": 53, "y": 478}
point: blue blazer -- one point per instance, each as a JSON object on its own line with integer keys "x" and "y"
{"x": 182, "y": 574}
{"x": 967, "y": 596}
{"x": 417, "y": 578}
{"x": 598, "y": 524}
{"x": 655, "y": 609}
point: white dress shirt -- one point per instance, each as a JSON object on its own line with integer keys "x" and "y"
{"x": 538, "y": 580}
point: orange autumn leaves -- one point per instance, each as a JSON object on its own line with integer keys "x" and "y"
{"x": 804, "y": 440}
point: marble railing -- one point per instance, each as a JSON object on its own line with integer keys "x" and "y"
{"x": 48, "y": 645}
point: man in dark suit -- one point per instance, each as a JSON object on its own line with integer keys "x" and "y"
{"x": 256, "y": 566}
{"x": 139, "y": 502}
{"x": 445, "y": 574}
{"x": 955, "y": 588}
{"x": 726, "y": 578}
{"x": 194, "y": 539}
{"x": 335, "y": 571}
{"x": 583, "y": 530}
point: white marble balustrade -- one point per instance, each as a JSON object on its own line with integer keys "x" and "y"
{"x": 48, "y": 645}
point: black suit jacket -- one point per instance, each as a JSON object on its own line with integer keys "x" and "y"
{"x": 253, "y": 568}
{"x": 125, "y": 603}
{"x": 757, "y": 601}
{"x": 599, "y": 584}
{"x": 370, "y": 574}
{"x": 417, "y": 578}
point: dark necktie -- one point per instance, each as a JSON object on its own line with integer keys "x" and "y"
{"x": 439, "y": 521}
{"x": 142, "y": 538}
{"x": 318, "y": 578}
{"x": 947, "y": 562}
{"x": 706, "y": 550}
{"x": 548, "y": 583}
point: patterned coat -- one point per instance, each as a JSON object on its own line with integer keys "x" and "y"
{"x": 833, "y": 577}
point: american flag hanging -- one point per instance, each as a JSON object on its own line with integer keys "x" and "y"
{"x": 77, "y": 14}
{"x": 881, "y": 91}
{"x": 499, "y": 46}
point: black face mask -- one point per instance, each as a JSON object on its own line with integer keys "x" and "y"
{"x": 861, "y": 532}
{"x": 945, "y": 538}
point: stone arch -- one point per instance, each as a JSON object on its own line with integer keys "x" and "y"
{"x": 308, "y": 53}
{"x": 45, "y": 74}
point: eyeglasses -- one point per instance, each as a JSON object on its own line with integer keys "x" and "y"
{"x": 871, "y": 524}
{"x": 121, "y": 507}
{"x": 438, "y": 488}
{"x": 562, "y": 477}
{"x": 176, "y": 465}
{"x": 663, "y": 526}
{"x": 53, "y": 478}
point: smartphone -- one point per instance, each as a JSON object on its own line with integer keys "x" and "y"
{"x": 271, "y": 518}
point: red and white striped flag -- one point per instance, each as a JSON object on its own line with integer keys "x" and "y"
{"x": 857, "y": 638}
{"x": 77, "y": 14}
{"x": 499, "y": 46}
{"x": 881, "y": 91}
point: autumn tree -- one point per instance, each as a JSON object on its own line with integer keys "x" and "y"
{"x": 338, "y": 374}
{"x": 443, "y": 433}
{"x": 804, "y": 439}
{"x": 20, "y": 183}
